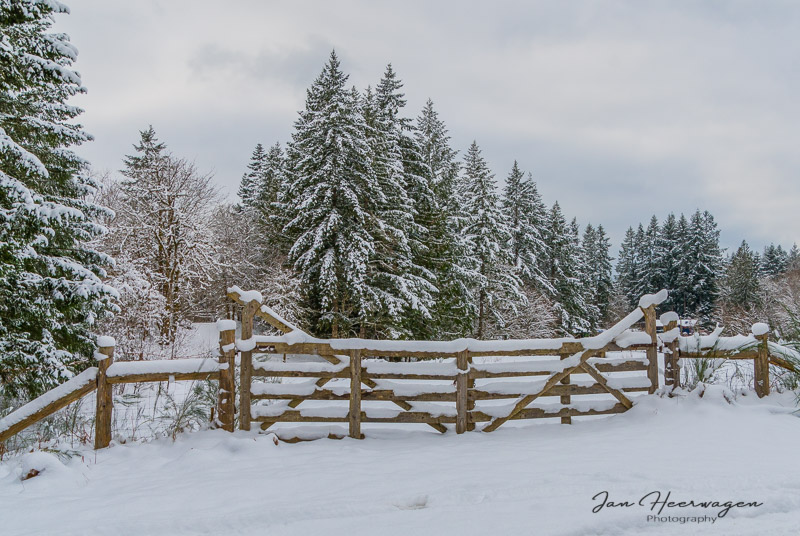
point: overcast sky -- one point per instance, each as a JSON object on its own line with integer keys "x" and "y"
{"x": 620, "y": 109}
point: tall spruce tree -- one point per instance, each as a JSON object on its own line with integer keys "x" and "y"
{"x": 703, "y": 265}
{"x": 774, "y": 261}
{"x": 251, "y": 181}
{"x": 562, "y": 269}
{"x": 668, "y": 259}
{"x": 526, "y": 215}
{"x": 598, "y": 268}
{"x": 332, "y": 198}
{"x": 453, "y": 310}
{"x": 488, "y": 236}
{"x": 628, "y": 267}
{"x": 741, "y": 284}
{"x": 51, "y": 289}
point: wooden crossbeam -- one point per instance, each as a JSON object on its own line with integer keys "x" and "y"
{"x": 599, "y": 378}
{"x": 524, "y": 401}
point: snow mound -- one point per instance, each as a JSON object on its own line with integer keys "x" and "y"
{"x": 760, "y": 328}
{"x": 653, "y": 299}
{"x": 37, "y": 463}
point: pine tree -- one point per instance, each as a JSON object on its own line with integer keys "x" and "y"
{"x": 526, "y": 215}
{"x": 741, "y": 285}
{"x": 586, "y": 274}
{"x": 453, "y": 312}
{"x": 251, "y": 181}
{"x": 332, "y": 198}
{"x": 562, "y": 269}
{"x": 649, "y": 254}
{"x": 703, "y": 264}
{"x": 668, "y": 260}
{"x": 774, "y": 261}
{"x": 598, "y": 267}
{"x": 627, "y": 268}
{"x": 488, "y": 237}
{"x": 51, "y": 289}
{"x": 793, "y": 258}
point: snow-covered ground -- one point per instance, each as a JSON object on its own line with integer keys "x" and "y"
{"x": 532, "y": 479}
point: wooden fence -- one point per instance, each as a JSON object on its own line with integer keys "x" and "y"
{"x": 464, "y": 383}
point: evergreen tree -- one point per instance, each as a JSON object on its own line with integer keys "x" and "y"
{"x": 273, "y": 179}
{"x": 741, "y": 285}
{"x": 628, "y": 268}
{"x": 453, "y": 310}
{"x": 703, "y": 265}
{"x": 51, "y": 289}
{"x": 774, "y": 261}
{"x": 597, "y": 259}
{"x": 332, "y": 198}
{"x": 649, "y": 255}
{"x": 669, "y": 261}
{"x": 251, "y": 181}
{"x": 563, "y": 271}
{"x": 526, "y": 216}
{"x": 793, "y": 258}
{"x": 487, "y": 236}
{"x": 586, "y": 273}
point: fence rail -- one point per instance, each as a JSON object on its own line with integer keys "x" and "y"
{"x": 461, "y": 383}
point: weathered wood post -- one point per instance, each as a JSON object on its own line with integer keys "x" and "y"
{"x": 462, "y": 363}
{"x": 672, "y": 371}
{"x": 246, "y": 365}
{"x": 226, "y": 402}
{"x": 761, "y": 362}
{"x": 566, "y": 399}
{"x": 105, "y": 398}
{"x": 354, "y": 415}
{"x": 470, "y": 399}
{"x": 652, "y": 349}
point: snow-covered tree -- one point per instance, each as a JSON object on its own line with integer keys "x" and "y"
{"x": 703, "y": 265}
{"x": 563, "y": 271}
{"x": 741, "y": 286}
{"x": 487, "y": 235}
{"x": 628, "y": 268}
{"x": 526, "y": 216}
{"x": 774, "y": 261}
{"x": 597, "y": 267}
{"x": 161, "y": 223}
{"x": 252, "y": 179}
{"x": 453, "y": 310}
{"x": 51, "y": 288}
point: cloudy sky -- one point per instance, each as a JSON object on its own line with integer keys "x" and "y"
{"x": 620, "y": 109}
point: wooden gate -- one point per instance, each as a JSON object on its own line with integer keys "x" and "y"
{"x": 465, "y": 382}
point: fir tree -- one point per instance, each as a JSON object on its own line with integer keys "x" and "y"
{"x": 597, "y": 262}
{"x": 332, "y": 198}
{"x": 488, "y": 236}
{"x": 453, "y": 310}
{"x": 627, "y": 268}
{"x": 563, "y": 271}
{"x": 774, "y": 261}
{"x": 526, "y": 215}
{"x": 668, "y": 260}
{"x": 251, "y": 181}
{"x": 741, "y": 285}
{"x": 703, "y": 265}
{"x": 793, "y": 258}
{"x": 51, "y": 289}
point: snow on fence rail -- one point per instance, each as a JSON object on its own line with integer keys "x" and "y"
{"x": 464, "y": 382}
{"x": 461, "y": 382}
{"x": 108, "y": 373}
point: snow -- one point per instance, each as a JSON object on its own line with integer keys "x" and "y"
{"x": 534, "y": 479}
{"x": 105, "y": 341}
{"x": 246, "y": 296}
{"x": 653, "y": 299}
{"x": 226, "y": 325}
{"x": 246, "y": 345}
{"x": 760, "y": 328}
{"x": 631, "y": 338}
{"x": 87, "y": 376}
{"x": 669, "y": 316}
{"x": 167, "y": 366}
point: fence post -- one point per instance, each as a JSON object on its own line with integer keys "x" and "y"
{"x": 462, "y": 363}
{"x": 566, "y": 399}
{"x": 104, "y": 397}
{"x": 355, "y": 394}
{"x": 470, "y": 400}
{"x": 671, "y": 370}
{"x": 227, "y": 386}
{"x": 761, "y": 364}
{"x": 246, "y": 366}
{"x": 652, "y": 350}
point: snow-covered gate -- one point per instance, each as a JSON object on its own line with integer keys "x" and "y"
{"x": 296, "y": 378}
